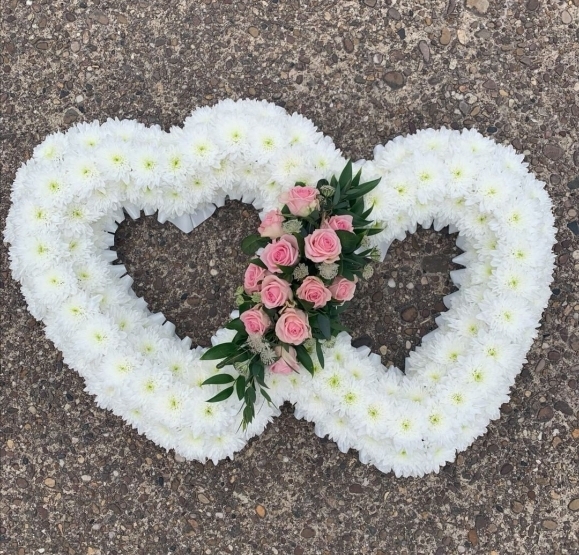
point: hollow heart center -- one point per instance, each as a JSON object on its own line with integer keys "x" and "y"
{"x": 191, "y": 279}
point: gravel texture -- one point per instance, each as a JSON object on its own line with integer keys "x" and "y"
{"x": 76, "y": 480}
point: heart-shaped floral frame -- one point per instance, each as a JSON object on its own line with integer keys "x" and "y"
{"x": 69, "y": 198}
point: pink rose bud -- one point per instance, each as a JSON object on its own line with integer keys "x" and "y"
{"x": 283, "y": 251}
{"x": 252, "y": 278}
{"x": 271, "y": 225}
{"x": 314, "y": 291}
{"x": 301, "y": 201}
{"x": 275, "y": 292}
{"x": 287, "y": 361}
{"x": 342, "y": 289}
{"x": 336, "y": 223}
{"x": 323, "y": 245}
{"x": 293, "y": 326}
{"x": 255, "y": 320}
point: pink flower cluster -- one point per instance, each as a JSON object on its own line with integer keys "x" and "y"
{"x": 321, "y": 246}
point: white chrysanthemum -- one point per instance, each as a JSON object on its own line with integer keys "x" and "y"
{"x": 53, "y": 148}
{"x": 233, "y": 135}
{"x": 175, "y": 164}
{"x": 84, "y": 175}
{"x": 146, "y": 167}
{"x": 440, "y": 425}
{"x": 510, "y": 279}
{"x": 171, "y": 405}
{"x": 223, "y": 445}
{"x": 113, "y": 160}
{"x": 34, "y": 252}
{"x": 77, "y": 308}
{"x": 266, "y": 142}
{"x": 515, "y": 217}
{"x": 428, "y": 176}
{"x": 301, "y": 131}
{"x": 125, "y": 130}
{"x": 406, "y": 423}
{"x": 507, "y": 315}
{"x": 55, "y": 285}
{"x": 146, "y": 384}
{"x": 372, "y": 415}
{"x": 150, "y": 343}
{"x": 491, "y": 191}
{"x": 97, "y": 336}
{"x": 117, "y": 368}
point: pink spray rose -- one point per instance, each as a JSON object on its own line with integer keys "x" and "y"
{"x": 271, "y": 225}
{"x": 314, "y": 291}
{"x": 342, "y": 289}
{"x": 255, "y": 320}
{"x": 283, "y": 251}
{"x": 339, "y": 222}
{"x": 287, "y": 361}
{"x": 275, "y": 292}
{"x": 301, "y": 201}
{"x": 323, "y": 245}
{"x": 293, "y": 326}
{"x": 252, "y": 278}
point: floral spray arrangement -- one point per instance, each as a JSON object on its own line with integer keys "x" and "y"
{"x": 308, "y": 258}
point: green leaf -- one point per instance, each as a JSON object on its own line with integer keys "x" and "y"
{"x": 219, "y": 379}
{"x": 265, "y": 394}
{"x": 222, "y": 395}
{"x": 250, "y": 395}
{"x": 320, "y": 353}
{"x": 286, "y": 269}
{"x": 253, "y": 242}
{"x": 304, "y": 358}
{"x": 240, "y": 387}
{"x": 350, "y": 241}
{"x": 337, "y": 194}
{"x": 258, "y": 262}
{"x": 374, "y": 231}
{"x": 285, "y": 210}
{"x": 238, "y": 357}
{"x": 223, "y": 350}
{"x": 324, "y": 325}
{"x": 338, "y": 326}
{"x": 235, "y": 324}
{"x": 248, "y": 413}
{"x": 301, "y": 242}
{"x": 363, "y": 189}
{"x": 358, "y": 207}
{"x": 346, "y": 175}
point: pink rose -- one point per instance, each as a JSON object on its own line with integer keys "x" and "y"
{"x": 283, "y": 251}
{"x": 323, "y": 245}
{"x": 275, "y": 292}
{"x": 271, "y": 225}
{"x": 293, "y": 326}
{"x": 287, "y": 361}
{"x": 255, "y": 320}
{"x": 253, "y": 275}
{"x": 301, "y": 201}
{"x": 314, "y": 291}
{"x": 339, "y": 222}
{"x": 342, "y": 289}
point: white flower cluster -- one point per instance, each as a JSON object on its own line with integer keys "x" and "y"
{"x": 67, "y": 202}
